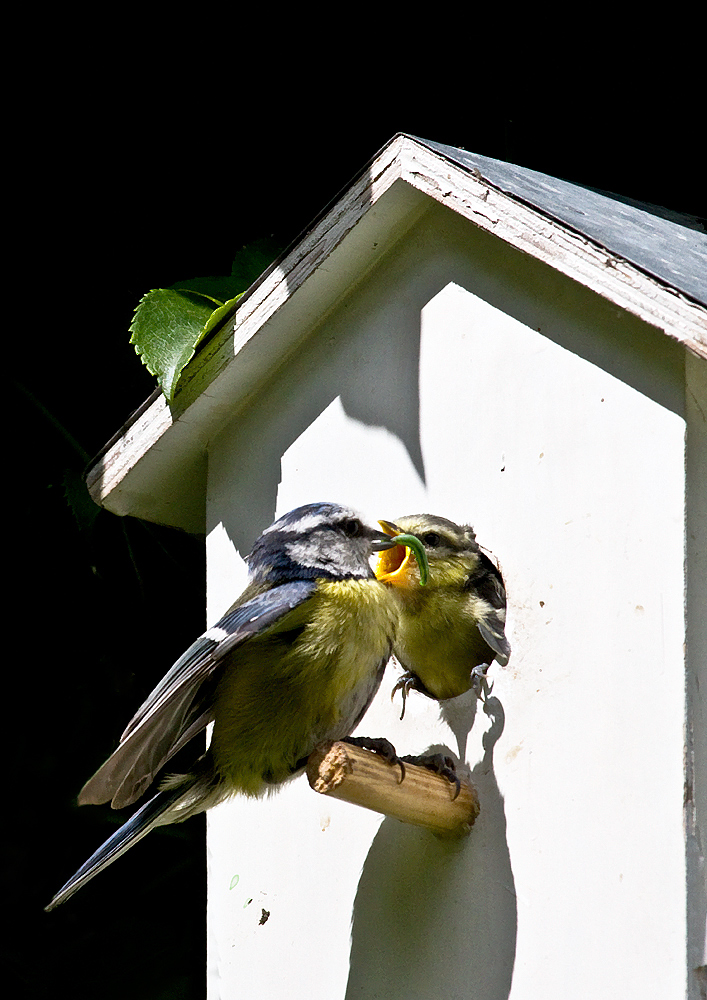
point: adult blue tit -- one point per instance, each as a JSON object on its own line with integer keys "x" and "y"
{"x": 295, "y": 661}
{"x": 450, "y": 630}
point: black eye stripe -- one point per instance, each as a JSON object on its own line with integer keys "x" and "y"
{"x": 431, "y": 538}
{"x": 351, "y": 527}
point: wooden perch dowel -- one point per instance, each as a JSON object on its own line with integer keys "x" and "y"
{"x": 366, "y": 779}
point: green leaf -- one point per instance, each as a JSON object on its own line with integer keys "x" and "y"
{"x": 169, "y": 323}
{"x": 220, "y": 314}
{"x": 219, "y": 287}
{"x": 252, "y": 259}
{"x": 166, "y": 328}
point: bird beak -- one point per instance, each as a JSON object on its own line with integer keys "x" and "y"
{"x": 383, "y": 542}
{"x": 390, "y": 528}
{"x": 395, "y": 559}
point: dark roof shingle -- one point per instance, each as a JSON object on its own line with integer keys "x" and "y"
{"x": 674, "y": 254}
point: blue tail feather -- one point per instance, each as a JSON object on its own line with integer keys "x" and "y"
{"x": 134, "y": 829}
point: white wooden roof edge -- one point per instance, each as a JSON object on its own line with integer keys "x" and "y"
{"x": 157, "y": 459}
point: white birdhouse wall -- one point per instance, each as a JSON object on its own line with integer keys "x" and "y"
{"x": 466, "y": 379}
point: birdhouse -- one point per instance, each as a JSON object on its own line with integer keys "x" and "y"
{"x": 460, "y": 336}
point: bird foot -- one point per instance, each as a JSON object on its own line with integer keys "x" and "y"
{"x": 439, "y": 763}
{"x": 406, "y": 683}
{"x": 384, "y": 748}
{"x": 479, "y": 681}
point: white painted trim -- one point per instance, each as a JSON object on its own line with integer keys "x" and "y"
{"x": 231, "y": 365}
{"x": 567, "y": 251}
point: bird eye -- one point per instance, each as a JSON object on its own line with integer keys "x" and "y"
{"x": 352, "y": 527}
{"x": 432, "y": 539}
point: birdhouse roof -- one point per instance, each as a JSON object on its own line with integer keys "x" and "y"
{"x": 662, "y": 243}
{"x": 651, "y": 266}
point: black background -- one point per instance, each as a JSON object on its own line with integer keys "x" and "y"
{"x": 126, "y": 180}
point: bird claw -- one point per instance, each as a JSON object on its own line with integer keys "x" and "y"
{"x": 479, "y": 681}
{"x": 379, "y": 745}
{"x": 440, "y": 764}
{"x": 406, "y": 683}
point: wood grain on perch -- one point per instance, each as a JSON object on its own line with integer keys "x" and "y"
{"x": 365, "y": 779}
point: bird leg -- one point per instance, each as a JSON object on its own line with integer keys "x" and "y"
{"x": 384, "y": 748}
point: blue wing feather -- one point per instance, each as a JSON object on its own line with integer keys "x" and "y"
{"x": 180, "y": 706}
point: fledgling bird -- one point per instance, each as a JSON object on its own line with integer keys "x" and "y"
{"x": 451, "y": 630}
{"x": 295, "y": 661}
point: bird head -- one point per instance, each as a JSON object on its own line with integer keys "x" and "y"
{"x": 451, "y": 550}
{"x": 317, "y": 540}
